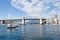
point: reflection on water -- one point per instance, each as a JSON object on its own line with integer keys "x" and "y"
{"x": 22, "y": 28}
{"x": 11, "y": 30}
{"x": 30, "y": 32}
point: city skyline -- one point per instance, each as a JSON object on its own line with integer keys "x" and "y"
{"x": 25, "y": 8}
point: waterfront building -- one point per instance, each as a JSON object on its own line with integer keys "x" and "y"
{"x": 47, "y": 20}
{"x": 59, "y": 20}
{"x": 56, "y": 19}
{"x": 51, "y": 20}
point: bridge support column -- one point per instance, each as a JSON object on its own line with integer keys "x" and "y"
{"x": 23, "y": 20}
{"x": 40, "y": 20}
{"x": 1, "y": 22}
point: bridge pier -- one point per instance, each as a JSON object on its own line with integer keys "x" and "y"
{"x": 1, "y": 22}
{"x": 23, "y": 20}
{"x": 40, "y": 20}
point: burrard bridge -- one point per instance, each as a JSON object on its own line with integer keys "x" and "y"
{"x": 22, "y": 20}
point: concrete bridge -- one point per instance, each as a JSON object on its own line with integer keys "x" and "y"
{"x": 22, "y": 20}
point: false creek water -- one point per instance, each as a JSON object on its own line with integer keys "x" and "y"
{"x": 30, "y": 32}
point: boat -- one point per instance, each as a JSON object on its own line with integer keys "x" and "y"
{"x": 12, "y": 26}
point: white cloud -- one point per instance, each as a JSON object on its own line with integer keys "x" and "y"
{"x": 34, "y": 8}
{"x": 57, "y": 4}
{"x": 54, "y": 12}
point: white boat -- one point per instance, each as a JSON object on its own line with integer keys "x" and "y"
{"x": 8, "y": 25}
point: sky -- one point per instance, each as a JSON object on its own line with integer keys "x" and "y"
{"x": 15, "y": 9}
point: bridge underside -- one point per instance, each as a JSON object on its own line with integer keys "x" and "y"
{"x": 34, "y": 19}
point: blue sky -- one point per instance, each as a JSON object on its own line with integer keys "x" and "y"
{"x": 25, "y": 8}
{"x": 6, "y": 9}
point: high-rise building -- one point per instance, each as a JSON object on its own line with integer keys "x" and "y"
{"x": 56, "y": 19}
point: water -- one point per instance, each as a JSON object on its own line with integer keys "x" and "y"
{"x": 30, "y": 32}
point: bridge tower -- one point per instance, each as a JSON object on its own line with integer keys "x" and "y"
{"x": 41, "y": 20}
{"x": 23, "y": 20}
